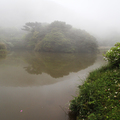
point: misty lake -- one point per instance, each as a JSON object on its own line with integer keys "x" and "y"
{"x": 39, "y": 86}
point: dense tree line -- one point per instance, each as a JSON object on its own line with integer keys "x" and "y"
{"x": 58, "y": 37}
{"x": 11, "y": 37}
{"x": 55, "y": 37}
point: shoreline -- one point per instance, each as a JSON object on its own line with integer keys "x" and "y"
{"x": 99, "y": 96}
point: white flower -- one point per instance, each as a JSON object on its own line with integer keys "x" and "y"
{"x": 115, "y": 81}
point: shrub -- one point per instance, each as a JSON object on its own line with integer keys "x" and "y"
{"x": 113, "y": 55}
{"x": 99, "y": 96}
{"x": 2, "y": 46}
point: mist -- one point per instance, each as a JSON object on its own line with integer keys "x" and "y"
{"x": 100, "y": 18}
{"x": 47, "y": 50}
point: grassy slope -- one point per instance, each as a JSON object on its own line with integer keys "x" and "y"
{"x": 99, "y": 97}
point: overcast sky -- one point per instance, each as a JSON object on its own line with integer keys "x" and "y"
{"x": 94, "y": 16}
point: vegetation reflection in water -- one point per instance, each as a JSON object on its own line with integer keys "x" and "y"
{"x": 57, "y": 64}
{"x": 36, "y": 69}
{"x": 3, "y": 51}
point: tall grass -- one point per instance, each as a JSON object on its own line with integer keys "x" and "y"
{"x": 99, "y": 96}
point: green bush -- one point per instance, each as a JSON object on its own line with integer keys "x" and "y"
{"x": 99, "y": 96}
{"x": 113, "y": 55}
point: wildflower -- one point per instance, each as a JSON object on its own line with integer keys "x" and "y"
{"x": 115, "y": 81}
{"x": 105, "y": 107}
{"x": 109, "y": 89}
{"x": 115, "y": 96}
{"x": 21, "y": 110}
{"x": 116, "y": 92}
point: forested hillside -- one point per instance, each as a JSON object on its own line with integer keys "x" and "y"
{"x": 58, "y": 37}
{"x": 11, "y": 37}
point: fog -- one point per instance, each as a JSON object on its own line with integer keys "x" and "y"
{"x": 98, "y": 17}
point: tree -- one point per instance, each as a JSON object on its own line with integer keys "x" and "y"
{"x": 61, "y": 26}
{"x": 53, "y": 42}
{"x": 58, "y": 37}
{"x": 32, "y": 27}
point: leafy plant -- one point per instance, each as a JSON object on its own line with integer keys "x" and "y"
{"x": 99, "y": 96}
{"x": 113, "y": 55}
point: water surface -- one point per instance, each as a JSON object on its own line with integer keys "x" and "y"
{"x": 41, "y": 84}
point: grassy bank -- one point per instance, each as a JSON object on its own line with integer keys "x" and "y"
{"x": 99, "y": 96}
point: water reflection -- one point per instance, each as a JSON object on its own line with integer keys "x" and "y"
{"x": 26, "y": 84}
{"x": 3, "y": 55}
{"x": 57, "y": 64}
{"x": 36, "y": 69}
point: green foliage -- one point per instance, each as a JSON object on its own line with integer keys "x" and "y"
{"x": 33, "y": 39}
{"x": 58, "y": 37}
{"x": 92, "y": 117}
{"x": 54, "y": 42}
{"x": 32, "y": 27}
{"x": 99, "y": 97}
{"x": 113, "y": 55}
{"x": 60, "y": 26}
{"x": 11, "y": 37}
